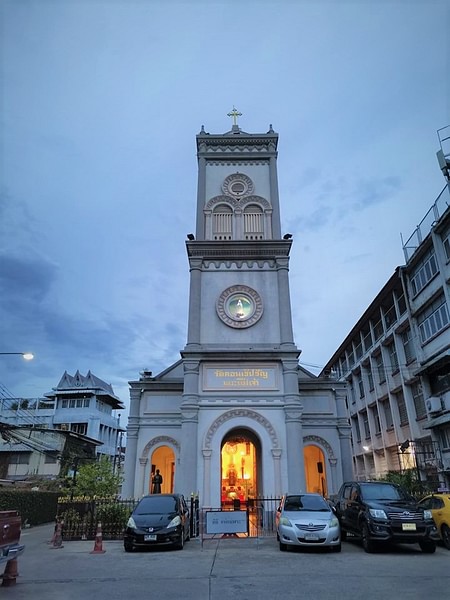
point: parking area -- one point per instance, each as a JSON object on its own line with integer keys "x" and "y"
{"x": 247, "y": 569}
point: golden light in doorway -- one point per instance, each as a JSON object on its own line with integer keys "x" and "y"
{"x": 230, "y": 448}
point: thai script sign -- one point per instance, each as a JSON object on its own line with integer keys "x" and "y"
{"x": 226, "y": 521}
{"x": 238, "y": 378}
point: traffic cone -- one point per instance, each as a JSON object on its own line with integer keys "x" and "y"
{"x": 57, "y": 536}
{"x": 98, "y": 546}
{"x": 10, "y": 574}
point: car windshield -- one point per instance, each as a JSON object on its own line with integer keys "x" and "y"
{"x": 382, "y": 491}
{"x": 156, "y": 505}
{"x": 305, "y": 502}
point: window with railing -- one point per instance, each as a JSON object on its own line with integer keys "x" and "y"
{"x": 365, "y": 418}
{"x": 393, "y": 358}
{"x": 367, "y": 340}
{"x": 401, "y": 303}
{"x": 444, "y": 435}
{"x": 350, "y": 359}
{"x": 433, "y": 319}
{"x": 424, "y": 272}
{"x": 408, "y": 345}
{"x": 80, "y": 428}
{"x": 360, "y": 384}
{"x": 401, "y": 405}
{"x": 418, "y": 399}
{"x": 370, "y": 379}
{"x": 376, "y": 420}
{"x": 222, "y": 222}
{"x": 378, "y": 329}
{"x": 253, "y": 223}
{"x": 390, "y": 316}
{"x": 388, "y": 414}
{"x": 356, "y": 428}
{"x": 379, "y": 364}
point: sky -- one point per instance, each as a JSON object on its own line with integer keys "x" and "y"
{"x": 100, "y": 105}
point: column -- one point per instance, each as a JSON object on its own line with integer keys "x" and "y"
{"x": 286, "y": 333}
{"x": 274, "y": 198}
{"x": 193, "y": 336}
{"x": 187, "y": 482}
{"x": 345, "y": 434}
{"x": 144, "y": 490}
{"x": 130, "y": 468}
{"x": 276, "y": 455}
{"x": 294, "y": 430}
{"x": 205, "y": 502}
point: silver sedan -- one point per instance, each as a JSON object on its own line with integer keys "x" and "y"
{"x": 307, "y": 520}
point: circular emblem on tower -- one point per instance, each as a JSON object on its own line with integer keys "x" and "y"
{"x": 237, "y": 185}
{"x": 239, "y": 306}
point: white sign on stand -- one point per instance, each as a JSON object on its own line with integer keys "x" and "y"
{"x": 226, "y": 521}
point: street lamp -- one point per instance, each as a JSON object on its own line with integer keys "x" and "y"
{"x": 25, "y": 355}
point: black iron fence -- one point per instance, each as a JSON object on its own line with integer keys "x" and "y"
{"x": 81, "y": 515}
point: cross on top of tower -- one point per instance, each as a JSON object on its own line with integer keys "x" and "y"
{"x": 235, "y": 114}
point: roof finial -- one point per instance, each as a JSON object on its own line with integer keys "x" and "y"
{"x": 235, "y": 114}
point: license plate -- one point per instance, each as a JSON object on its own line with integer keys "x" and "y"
{"x": 150, "y": 538}
{"x": 408, "y": 526}
{"x": 311, "y": 536}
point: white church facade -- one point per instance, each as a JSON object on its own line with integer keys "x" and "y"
{"x": 237, "y": 416}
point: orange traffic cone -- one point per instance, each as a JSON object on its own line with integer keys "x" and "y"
{"x": 98, "y": 546}
{"x": 57, "y": 536}
{"x": 10, "y": 574}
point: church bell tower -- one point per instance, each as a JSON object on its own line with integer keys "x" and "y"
{"x": 240, "y": 352}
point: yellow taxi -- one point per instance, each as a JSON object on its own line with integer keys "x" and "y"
{"x": 439, "y": 504}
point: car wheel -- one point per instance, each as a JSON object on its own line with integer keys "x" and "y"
{"x": 368, "y": 544}
{"x": 343, "y": 535}
{"x": 128, "y": 547}
{"x": 428, "y": 546}
{"x": 445, "y": 532}
{"x": 283, "y": 547}
{"x": 180, "y": 544}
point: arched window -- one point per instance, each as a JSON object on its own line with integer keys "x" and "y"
{"x": 222, "y": 222}
{"x": 253, "y": 222}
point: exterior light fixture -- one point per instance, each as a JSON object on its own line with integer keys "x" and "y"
{"x": 25, "y": 355}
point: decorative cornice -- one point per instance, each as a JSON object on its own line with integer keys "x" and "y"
{"x": 239, "y": 249}
{"x": 237, "y": 202}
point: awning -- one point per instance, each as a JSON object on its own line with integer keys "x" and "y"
{"x": 438, "y": 421}
{"x": 434, "y": 363}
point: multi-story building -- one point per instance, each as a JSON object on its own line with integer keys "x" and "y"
{"x": 396, "y": 361}
{"x": 82, "y": 406}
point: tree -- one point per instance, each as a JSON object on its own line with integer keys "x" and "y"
{"x": 96, "y": 479}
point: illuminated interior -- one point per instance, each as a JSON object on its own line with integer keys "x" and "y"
{"x": 239, "y": 480}
{"x": 315, "y": 470}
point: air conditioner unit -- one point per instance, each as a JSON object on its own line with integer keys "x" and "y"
{"x": 433, "y": 404}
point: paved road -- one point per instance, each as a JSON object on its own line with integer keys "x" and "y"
{"x": 227, "y": 568}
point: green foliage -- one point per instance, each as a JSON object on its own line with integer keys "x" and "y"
{"x": 35, "y": 507}
{"x": 97, "y": 479}
{"x": 113, "y": 513}
{"x": 407, "y": 480}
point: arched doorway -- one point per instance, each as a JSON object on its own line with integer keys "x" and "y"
{"x": 240, "y": 467}
{"x": 163, "y": 459}
{"x": 315, "y": 475}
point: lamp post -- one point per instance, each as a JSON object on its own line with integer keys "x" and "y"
{"x": 25, "y": 355}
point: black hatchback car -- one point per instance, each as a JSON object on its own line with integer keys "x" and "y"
{"x": 159, "y": 519}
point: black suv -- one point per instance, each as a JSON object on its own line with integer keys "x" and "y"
{"x": 379, "y": 511}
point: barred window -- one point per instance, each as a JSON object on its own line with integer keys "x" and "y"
{"x": 380, "y": 368}
{"x": 370, "y": 379}
{"x": 419, "y": 401}
{"x": 388, "y": 414}
{"x": 222, "y": 222}
{"x": 365, "y": 417}
{"x": 424, "y": 272}
{"x": 401, "y": 405}
{"x": 433, "y": 319}
{"x": 376, "y": 420}
{"x": 393, "y": 358}
{"x": 408, "y": 345}
{"x": 356, "y": 428}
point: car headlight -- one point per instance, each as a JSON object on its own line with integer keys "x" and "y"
{"x": 175, "y": 522}
{"x": 285, "y": 521}
{"x": 131, "y": 524}
{"x": 427, "y": 514}
{"x": 377, "y": 513}
{"x": 334, "y": 522}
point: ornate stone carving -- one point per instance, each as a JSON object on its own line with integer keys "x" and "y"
{"x": 161, "y": 439}
{"x": 240, "y": 413}
{"x": 315, "y": 439}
